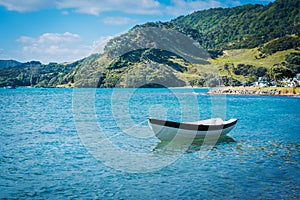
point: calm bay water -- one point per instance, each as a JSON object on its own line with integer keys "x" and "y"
{"x": 44, "y": 155}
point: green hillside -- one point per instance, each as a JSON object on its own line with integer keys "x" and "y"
{"x": 246, "y": 26}
{"x": 36, "y": 74}
{"x": 244, "y": 64}
{"x": 143, "y": 57}
{"x": 4, "y": 64}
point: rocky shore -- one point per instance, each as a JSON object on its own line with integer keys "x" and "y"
{"x": 256, "y": 91}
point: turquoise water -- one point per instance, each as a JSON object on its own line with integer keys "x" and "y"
{"x": 47, "y": 148}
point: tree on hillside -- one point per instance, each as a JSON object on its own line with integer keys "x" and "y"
{"x": 229, "y": 67}
{"x": 293, "y": 62}
{"x": 280, "y": 71}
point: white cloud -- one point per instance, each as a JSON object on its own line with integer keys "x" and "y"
{"x": 58, "y": 38}
{"x": 26, "y": 39}
{"x": 65, "y": 12}
{"x": 27, "y": 5}
{"x": 54, "y": 47}
{"x": 99, "y": 44}
{"x": 118, "y": 20}
{"x": 95, "y": 7}
{"x": 181, "y": 7}
{"x": 144, "y": 7}
{"x": 49, "y": 38}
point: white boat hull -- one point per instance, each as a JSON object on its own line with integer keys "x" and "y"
{"x": 166, "y": 130}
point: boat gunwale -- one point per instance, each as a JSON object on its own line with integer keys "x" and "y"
{"x": 189, "y": 126}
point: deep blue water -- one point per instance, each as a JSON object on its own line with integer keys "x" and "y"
{"x": 86, "y": 143}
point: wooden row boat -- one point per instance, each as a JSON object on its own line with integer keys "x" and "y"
{"x": 170, "y": 130}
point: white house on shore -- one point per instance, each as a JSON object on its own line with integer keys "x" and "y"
{"x": 286, "y": 82}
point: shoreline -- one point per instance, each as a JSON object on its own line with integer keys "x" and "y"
{"x": 228, "y": 90}
{"x": 255, "y": 91}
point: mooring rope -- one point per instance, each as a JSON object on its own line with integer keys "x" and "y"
{"x": 108, "y": 138}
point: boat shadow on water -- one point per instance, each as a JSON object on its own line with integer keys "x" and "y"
{"x": 183, "y": 146}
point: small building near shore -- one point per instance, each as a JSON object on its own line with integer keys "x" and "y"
{"x": 262, "y": 83}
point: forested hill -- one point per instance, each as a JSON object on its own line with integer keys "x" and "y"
{"x": 245, "y": 26}
{"x": 4, "y": 64}
{"x": 157, "y": 52}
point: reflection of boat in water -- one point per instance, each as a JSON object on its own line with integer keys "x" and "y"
{"x": 210, "y": 128}
{"x": 185, "y": 146}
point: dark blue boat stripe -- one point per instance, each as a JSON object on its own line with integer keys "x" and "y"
{"x": 190, "y": 126}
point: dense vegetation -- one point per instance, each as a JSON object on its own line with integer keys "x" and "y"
{"x": 4, "y": 64}
{"x": 246, "y": 26}
{"x": 169, "y": 53}
{"x": 293, "y": 62}
{"x": 35, "y": 74}
{"x": 281, "y": 44}
{"x": 138, "y": 68}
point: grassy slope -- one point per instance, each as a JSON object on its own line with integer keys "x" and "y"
{"x": 248, "y": 56}
{"x": 237, "y": 56}
{"x": 197, "y": 71}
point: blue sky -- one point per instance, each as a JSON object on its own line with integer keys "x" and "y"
{"x": 68, "y": 30}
